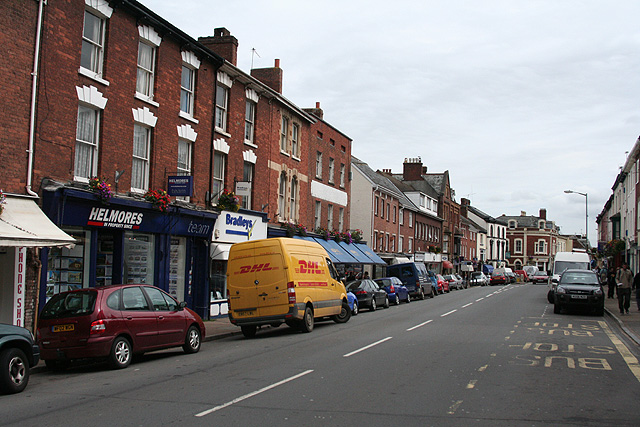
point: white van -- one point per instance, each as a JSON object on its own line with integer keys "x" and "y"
{"x": 578, "y": 259}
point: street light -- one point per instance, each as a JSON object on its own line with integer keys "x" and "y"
{"x": 586, "y": 211}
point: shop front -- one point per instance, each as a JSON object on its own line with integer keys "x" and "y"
{"x": 127, "y": 241}
{"x": 231, "y": 227}
{"x": 23, "y": 229}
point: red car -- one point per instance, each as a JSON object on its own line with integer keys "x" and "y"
{"x": 499, "y": 279}
{"x": 443, "y": 284}
{"x": 115, "y": 322}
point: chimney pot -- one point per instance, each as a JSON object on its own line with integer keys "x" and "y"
{"x": 277, "y": 63}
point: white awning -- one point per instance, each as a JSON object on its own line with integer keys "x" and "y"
{"x": 220, "y": 251}
{"x": 22, "y": 223}
{"x": 400, "y": 260}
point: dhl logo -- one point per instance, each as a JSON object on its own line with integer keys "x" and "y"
{"x": 254, "y": 268}
{"x": 310, "y": 267}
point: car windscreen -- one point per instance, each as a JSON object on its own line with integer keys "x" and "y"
{"x": 70, "y": 305}
{"x": 383, "y": 282}
{"x": 561, "y": 266}
{"x": 579, "y": 279}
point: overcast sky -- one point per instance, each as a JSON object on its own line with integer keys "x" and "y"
{"x": 518, "y": 100}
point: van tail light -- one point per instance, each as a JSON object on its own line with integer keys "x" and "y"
{"x": 98, "y": 327}
{"x": 291, "y": 291}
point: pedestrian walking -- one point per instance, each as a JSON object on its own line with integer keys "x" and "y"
{"x": 636, "y": 286}
{"x": 624, "y": 278}
{"x": 611, "y": 285}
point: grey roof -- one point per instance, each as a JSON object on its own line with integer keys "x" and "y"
{"x": 481, "y": 214}
{"x": 474, "y": 224}
{"x": 421, "y": 185}
{"x": 528, "y": 221}
{"x": 437, "y": 181}
{"x": 379, "y": 180}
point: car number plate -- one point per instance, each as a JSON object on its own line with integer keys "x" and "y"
{"x": 579, "y": 296}
{"x": 245, "y": 313}
{"x": 63, "y": 328}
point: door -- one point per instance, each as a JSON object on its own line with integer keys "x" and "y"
{"x": 139, "y": 318}
{"x": 171, "y": 321}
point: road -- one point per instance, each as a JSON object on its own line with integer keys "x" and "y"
{"x": 493, "y": 356}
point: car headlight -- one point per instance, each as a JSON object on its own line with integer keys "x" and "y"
{"x": 561, "y": 290}
{"x": 598, "y": 291}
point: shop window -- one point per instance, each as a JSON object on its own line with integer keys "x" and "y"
{"x": 177, "y": 263}
{"x": 68, "y": 269}
{"x": 104, "y": 260}
{"x": 138, "y": 258}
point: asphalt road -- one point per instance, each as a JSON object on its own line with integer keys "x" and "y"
{"x": 493, "y": 356}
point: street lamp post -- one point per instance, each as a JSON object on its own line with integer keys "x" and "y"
{"x": 586, "y": 211}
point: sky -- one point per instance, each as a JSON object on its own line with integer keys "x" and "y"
{"x": 518, "y": 100}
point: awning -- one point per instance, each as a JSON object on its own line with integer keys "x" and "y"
{"x": 356, "y": 253}
{"x": 400, "y": 260}
{"x": 220, "y": 251}
{"x": 447, "y": 264}
{"x": 375, "y": 259}
{"x": 336, "y": 252}
{"x": 22, "y": 223}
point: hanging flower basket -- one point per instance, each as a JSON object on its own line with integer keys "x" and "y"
{"x": 324, "y": 233}
{"x": 101, "y": 188}
{"x": 159, "y": 198}
{"x": 293, "y": 229}
{"x": 228, "y": 201}
{"x": 3, "y": 200}
{"x": 356, "y": 235}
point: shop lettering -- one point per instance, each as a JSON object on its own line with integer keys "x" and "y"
{"x": 255, "y": 268}
{"x": 310, "y": 267}
{"x": 114, "y": 218}
{"x": 239, "y": 222}
{"x": 198, "y": 228}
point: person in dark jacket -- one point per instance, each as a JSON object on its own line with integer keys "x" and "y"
{"x": 611, "y": 285}
{"x": 636, "y": 286}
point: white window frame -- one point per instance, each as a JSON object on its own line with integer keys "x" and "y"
{"x": 187, "y": 90}
{"x": 318, "y": 215}
{"x": 248, "y": 172}
{"x": 219, "y": 169}
{"x": 318, "y": 165}
{"x": 284, "y": 134}
{"x": 184, "y": 161}
{"x": 295, "y": 141}
{"x": 329, "y": 216}
{"x": 249, "y": 122}
{"x": 331, "y": 169}
{"x": 141, "y": 160}
{"x": 340, "y": 219}
{"x": 222, "y": 105}
{"x": 145, "y": 72}
{"x": 282, "y": 196}
{"x": 94, "y": 48}
{"x": 89, "y": 97}
{"x": 89, "y": 145}
{"x": 517, "y": 246}
{"x": 400, "y": 243}
{"x": 401, "y": 216}
{"x": 293, "y": 199}
{"x": 342, "y": 174}
{"x": 410, "y": 219}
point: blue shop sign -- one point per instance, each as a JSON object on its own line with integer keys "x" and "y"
{"x": 122, "y": 217}
{"x": 181, "y": 185}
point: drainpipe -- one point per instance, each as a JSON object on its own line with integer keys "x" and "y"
{"x": 34, "y": 86}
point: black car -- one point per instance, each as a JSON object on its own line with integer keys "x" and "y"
{"x": 579, "y": 289}
{"x": 369, "y": 294}
{"x": 18, "y": 353}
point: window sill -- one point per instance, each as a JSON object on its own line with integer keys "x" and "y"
{"x": 222, "y": 132}
{"x": 93, "y": 76}
{"x": 285, "y": 153}
{"x": 297, "y": 159}
{"x": 250, "y": 144}
{"x": 188, "y": 117}
{"x": 146, "y": 99}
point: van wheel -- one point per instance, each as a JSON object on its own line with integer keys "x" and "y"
{"x": 249, "y": 331}
{"x": 345, "y": 314}
{"x": 307, "y": 321}
{"x": 120, "y": 356}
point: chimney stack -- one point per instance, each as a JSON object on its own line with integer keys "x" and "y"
{"x": 222, "y": 43}
{"x": 523, "y": 213}
{"x": 543, "y": 214}
{"x": 412, "y": 169}
{"x": 316, "y": 111}
{"x": 272, "y": 77}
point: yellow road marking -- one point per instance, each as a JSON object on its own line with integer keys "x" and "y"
{"x": 472, "y": 383}
{"x": 482, "y": 368}
{"x": 629, "y": 358}
{"x": 454, "y": 407}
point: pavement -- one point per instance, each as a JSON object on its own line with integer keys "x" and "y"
{"x": 221, "y": 327}
{"x": 629, "y": 323}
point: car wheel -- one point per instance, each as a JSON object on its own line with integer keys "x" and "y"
{"x": 249, "y": 331}
{"x": 345, "y": 314}
{"x": 397, "y": 300}
{"x": 307, "y": 321}
{"x": 386, "y": 302}
{"x": 120, "y": 356}
{"x": 15, "y": 371}
{"x": 354, "y": 312}
{"x": 550, "y": 297}
{"x": 193, "y": 341}
{"x": 373, "y": 304}
{"x": 557, "y": 308}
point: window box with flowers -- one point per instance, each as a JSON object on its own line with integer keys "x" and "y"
{"x": 228, "y": 201}
{"x": 324, "y": 233}
{"x": 159, "y": 199}
{"x": 356, "y": 235}
{"x": 101, "y": 188}
{"x": 293, "y": 229}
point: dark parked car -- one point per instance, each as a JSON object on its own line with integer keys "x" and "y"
{"x": 498, "y": 278}
{"x": 18, "y": 353}
{"x": 394, "y": 288}
{"x": 579, "y": 289}
{"x": 115, "y": 322}
{"x": 369, "y": 294}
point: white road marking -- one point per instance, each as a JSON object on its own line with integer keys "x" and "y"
{"x": 367, "y": 347}
{"x": 421, "y": 324}
{"x": 467, "y": 305}
{"x": 454, "y": 407}
{"x": 246, "y": 396}
{"x": 479, "y": 299}
{"x": 446, "y": 314}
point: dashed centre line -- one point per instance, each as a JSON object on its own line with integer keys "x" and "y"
{"x": 421, "y": 324}
{"x": 448, "y": 313}
{"x": 367, "y": 347}
{"x": 467, "y": 305}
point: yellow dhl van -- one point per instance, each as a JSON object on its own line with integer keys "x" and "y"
{"x": 283, "y": 280}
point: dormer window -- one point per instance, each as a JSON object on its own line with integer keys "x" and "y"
{"x": 512, "y": 224}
